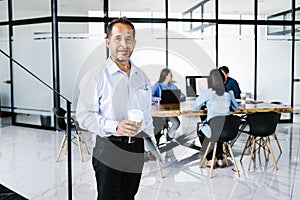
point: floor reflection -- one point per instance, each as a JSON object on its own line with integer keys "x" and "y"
{"x": 28, "y": 166}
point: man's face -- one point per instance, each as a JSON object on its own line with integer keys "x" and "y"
{"x": 121, "y": 42}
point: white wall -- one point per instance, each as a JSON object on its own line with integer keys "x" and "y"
{"x": 186, "y": 58}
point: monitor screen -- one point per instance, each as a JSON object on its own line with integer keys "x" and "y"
{"x": 195, "y": 85}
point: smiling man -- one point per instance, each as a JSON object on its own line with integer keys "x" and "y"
{"x": 106, "y": 95}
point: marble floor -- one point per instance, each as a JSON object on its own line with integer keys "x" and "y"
{"x": 28, "y": 166}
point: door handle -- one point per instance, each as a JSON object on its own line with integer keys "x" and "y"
{"x": 7, "y": 81}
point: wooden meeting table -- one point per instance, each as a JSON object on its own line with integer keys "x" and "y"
{"x": 184, "y": 110}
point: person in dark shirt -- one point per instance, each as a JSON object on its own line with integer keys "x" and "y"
{"x": 230, "y": 83}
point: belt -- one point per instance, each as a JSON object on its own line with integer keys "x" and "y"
{"x": 123, "y": 139}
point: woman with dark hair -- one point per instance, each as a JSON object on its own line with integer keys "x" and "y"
{"x": 218, "y": 103}
{"x": 165, "y": 83}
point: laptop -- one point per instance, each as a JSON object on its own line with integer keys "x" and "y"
{"x": 170, "y": 96}
{"x": 195, "y": 85}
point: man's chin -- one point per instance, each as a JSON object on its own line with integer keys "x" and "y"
{"x": 123, "y": 60}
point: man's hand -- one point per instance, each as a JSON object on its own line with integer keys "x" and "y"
{"x": 151, "y": 156}
{"x": 127, "y": 128}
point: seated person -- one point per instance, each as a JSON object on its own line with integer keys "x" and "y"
{"x": 231, "y": 83}
{"x": 218, "y": 101}
{"x": 165, "y": 83}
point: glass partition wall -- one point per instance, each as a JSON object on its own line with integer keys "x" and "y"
{"x": 257, "y": 39}
{"x": 190, "y": 37}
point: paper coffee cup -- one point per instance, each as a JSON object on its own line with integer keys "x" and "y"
{"x": 136, "y": 116}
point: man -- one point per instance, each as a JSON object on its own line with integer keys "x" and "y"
{"x": 230, "y": 83}
{"x": 105, "y": 97}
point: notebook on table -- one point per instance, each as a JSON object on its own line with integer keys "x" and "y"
{"x": 170, "y": 96}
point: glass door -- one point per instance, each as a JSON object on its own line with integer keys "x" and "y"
{"x": 5, "y": 81}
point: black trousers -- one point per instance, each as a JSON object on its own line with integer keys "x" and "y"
{"x": 204, "y": 143}
{"x": 118, "y": 167}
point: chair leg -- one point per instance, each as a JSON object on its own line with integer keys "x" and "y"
{"x": 213, "y": 160}
{"x": 252, "y": 150}
{"x": 272, "y": 154}
{"x": 61, "y": 146}
{"x": 79, "y": 147}
{"x": 159, "y": 169}
{"x": 275, "y": 136}
{"x": 66, "y": 148}
{"x": 246, "y": 146}
{"x": 84, "y": 142}
{"x": 233, "y": 159}
{"x": 262, "y": 144}
{"x": 225, "y": 154}
{"x": 205, "y": 154}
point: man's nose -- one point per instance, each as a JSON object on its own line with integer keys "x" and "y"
{"x": 123, "y": 42}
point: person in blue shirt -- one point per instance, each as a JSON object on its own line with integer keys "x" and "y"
{"x": 231, "y": 83}
{"x": 165, "y": 83}
{"x": 218, "y": 102}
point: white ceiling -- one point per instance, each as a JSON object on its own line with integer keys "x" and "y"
{"x": 266, "y": 7}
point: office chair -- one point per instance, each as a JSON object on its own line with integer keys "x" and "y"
{"x": 62, "y": 126}
{"x": 224, "y": 129}
{"x": 261, "y": 126}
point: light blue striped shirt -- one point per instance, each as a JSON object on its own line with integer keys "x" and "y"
{"x": 106, "y": 95}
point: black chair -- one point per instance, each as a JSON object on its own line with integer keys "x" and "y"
{"x": 62, "y": 126}
{"x": 261, "y": 126}
{"x": 224, "y": 129}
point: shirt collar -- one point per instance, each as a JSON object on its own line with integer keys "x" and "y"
{"x": 113, "y": 67}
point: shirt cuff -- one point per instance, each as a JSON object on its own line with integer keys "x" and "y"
{"x": 110, "y": 126}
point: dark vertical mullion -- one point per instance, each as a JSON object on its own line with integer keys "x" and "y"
{"x": 167, "y": 31}
{"x": 240, "y": 27}
{"x": 56, "y": 91}
{"x": 217, "y": 32}
{"x": 255, "y": 47}
{"x": 191, "y": 17}
{"x": 293, "y": 53}
{"x": 202, "y": 16}
{"x": 105, "y": 10}
{"x": 55, "y": 54}
{"x": 10, "y": 35}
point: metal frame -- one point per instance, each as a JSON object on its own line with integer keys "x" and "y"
{"x": 54, "y": 20}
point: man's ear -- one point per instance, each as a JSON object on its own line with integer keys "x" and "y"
{"x": 107, "y": 41}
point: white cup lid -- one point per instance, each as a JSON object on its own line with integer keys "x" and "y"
{"x": 135, "y": 115}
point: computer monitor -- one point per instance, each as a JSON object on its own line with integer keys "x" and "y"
{"x": 195, "y": 85}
